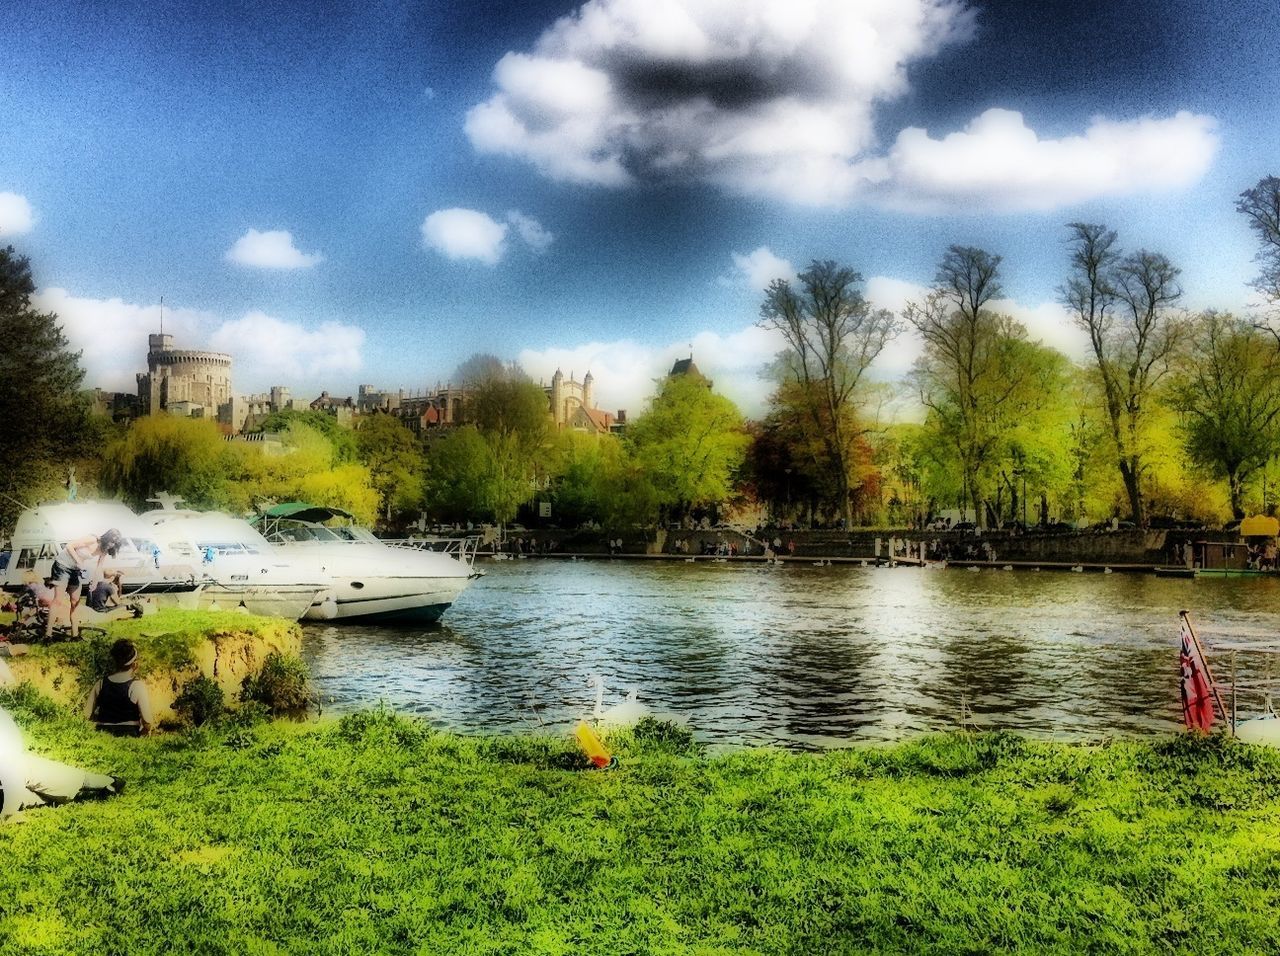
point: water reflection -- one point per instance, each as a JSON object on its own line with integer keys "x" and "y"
{"x": 800, "y": 656}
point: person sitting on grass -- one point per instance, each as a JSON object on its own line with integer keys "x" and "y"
{"x": 119, "y": 703}
{"x": 71, "y": 566}
{"x": 29, "y": 780}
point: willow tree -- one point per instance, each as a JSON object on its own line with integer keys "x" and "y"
{"x": 1227, "y": 392}
{"x": 1125, "y": 303}
{"x": 832, "y": 335}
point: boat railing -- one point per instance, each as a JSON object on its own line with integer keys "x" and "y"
{"x": 464, "y": 549}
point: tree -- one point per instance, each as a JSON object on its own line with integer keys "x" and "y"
{"x": 391, "y": 453}
{"x": 457, "y": 470}
{"x": 342, "y": 440}
{"x": 597, "y": 480}
{"x": 512, "y": 416}
{"x": 690, "y": 443}
{"x": 1261, "y": 204}
{"x": 968, "y": 371}
{"x": 1125, "y": 305}
{"x": 43, "y": 419}
{"x": 833, "y": 335}
{"x": 1227, "y": 391}
{"x": 186, "y": 457}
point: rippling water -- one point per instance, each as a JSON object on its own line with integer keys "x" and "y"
{"x": 796, "y": 655}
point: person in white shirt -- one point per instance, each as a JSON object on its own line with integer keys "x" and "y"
{"x": 29, "y": 780}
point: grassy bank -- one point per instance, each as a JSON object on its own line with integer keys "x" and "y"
{"x": 375, "y": 834}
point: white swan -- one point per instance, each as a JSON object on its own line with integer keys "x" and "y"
{"x": 619, "y": 715}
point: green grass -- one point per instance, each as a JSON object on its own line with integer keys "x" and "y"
{"x": 376, "y": 834}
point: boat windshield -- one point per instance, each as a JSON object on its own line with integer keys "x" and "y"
{"x": 305, "y": 532}
{"x": 362, "y": 535}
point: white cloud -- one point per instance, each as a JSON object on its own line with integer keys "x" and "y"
{"x": 779, "y": 98}
{"x": 16, "y": 214}
{"x": 273, "y": 249}
{"x": 1000, "y": 163}
{"x": 269, "y": 351}
{"x": 625, "y": 370}
{"x": 762, "y": 96}
{"x": 111, "y": 334}
{"x": 756, "y": 269}
{"x": 534, "y": 234}
{"x": 471, "y": 234}
{"x": 465, "y": 234}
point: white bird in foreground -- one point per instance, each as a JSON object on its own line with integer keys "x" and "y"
{"x": 1007, "y": 567}
{"x": 1107, "y": 571}
{"x": 619, "y": 715}
{"x": 1079, "y": 569}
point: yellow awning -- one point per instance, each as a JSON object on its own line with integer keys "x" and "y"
{"x": 1259, "y": 526}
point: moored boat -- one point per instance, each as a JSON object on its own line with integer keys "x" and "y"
{"x": 371, "y": 579}
{"x": 42, "y": 531}
{"x": 244, "y": 569}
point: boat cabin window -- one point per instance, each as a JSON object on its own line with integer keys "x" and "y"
{"x": 226, "y": 547}
{"x": 27, "y": 557}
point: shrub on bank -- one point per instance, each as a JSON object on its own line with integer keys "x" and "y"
{"x": 283, "y": 685}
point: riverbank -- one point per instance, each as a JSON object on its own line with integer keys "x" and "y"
{"x": 175, "y": 647}
{"x": 377, "y": 834}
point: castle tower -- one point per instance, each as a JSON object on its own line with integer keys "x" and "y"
{"x": 557, "y": 391}
{"x": 587, "y": 400}
{"x": 183, "y": 381}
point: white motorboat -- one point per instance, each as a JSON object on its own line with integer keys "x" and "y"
{"x": 42, "y": 531}
{"x": 372, "y": 579}
{"x": 245, "y": 570}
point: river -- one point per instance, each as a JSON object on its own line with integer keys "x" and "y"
{"x": 799, "y": 656}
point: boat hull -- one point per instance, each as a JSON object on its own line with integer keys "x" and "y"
{"x": 405, "y": 600}
{"x": 281, "y": 601}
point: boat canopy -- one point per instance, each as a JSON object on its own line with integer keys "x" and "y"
{"x": 301, "y": 511}
{"x": 1259, "y": 526}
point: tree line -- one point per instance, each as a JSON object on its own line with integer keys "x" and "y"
{"x": 1174, "y": 414}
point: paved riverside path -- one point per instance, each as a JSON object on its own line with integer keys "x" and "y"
{"x": 869, "y": 561}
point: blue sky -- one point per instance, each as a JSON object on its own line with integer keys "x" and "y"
{"x": 604, "y": 190}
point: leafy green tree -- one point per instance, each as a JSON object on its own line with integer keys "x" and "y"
{"x": 833, "y": 335}
{"x": 968, "y": 372}
{"x": 348, "y": 486}
{"x": 511, "y": 415}
{"x": 457, "y": 470}
{"x": 690, "y": 442}
{"x": 342, "y": 440}
{"x": 43, "y": 419}
{"x": 1227, "y": 391}
{"x": 164, "y": 453}
{"x": 1125, "y": 304}
{"x": 394, "y": 459}
{"x": 598, "y": 480}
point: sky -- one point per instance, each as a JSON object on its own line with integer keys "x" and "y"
{"x": 341, "y": 193}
